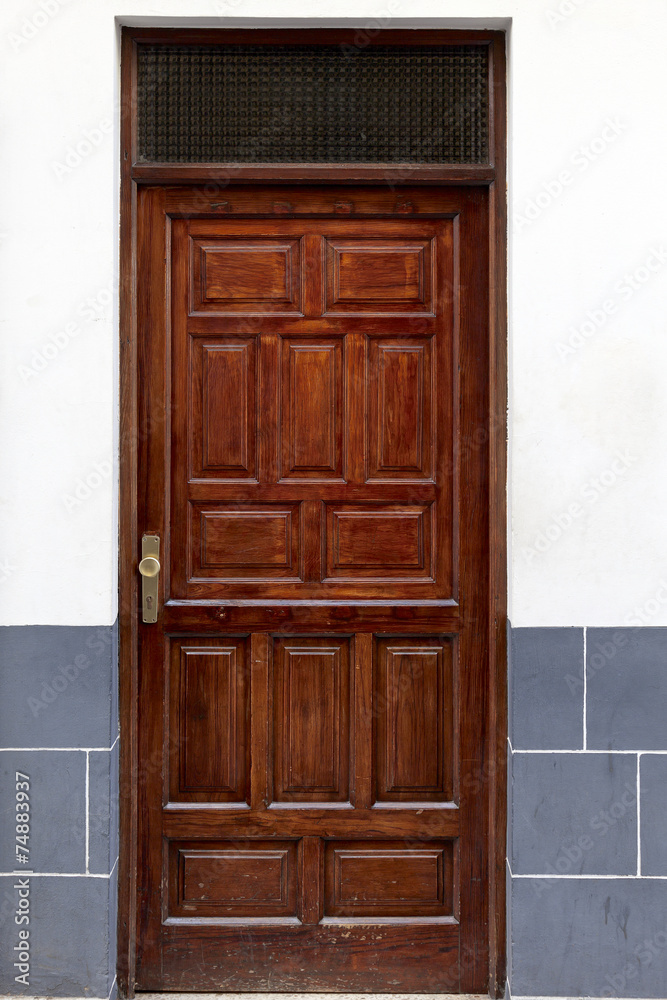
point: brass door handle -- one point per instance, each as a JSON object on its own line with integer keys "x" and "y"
{"x": 149, "y": 567}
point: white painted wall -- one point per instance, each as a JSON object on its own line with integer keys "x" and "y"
{"x": 588, "y": 410}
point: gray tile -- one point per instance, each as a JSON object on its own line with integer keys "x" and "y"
{"x": 574, "y": 814}
{"x": 114, "y": 818}
{"x": 57, "y": 686}
{"x": 113, "y": 919}
{"x": 547, "y": 688}
{"x": 69, "y": 938}
{"x": 57, "y": 809}
{"x": 589, "y": 937}
{"x": 508, "y": 931}
{"x": 103, "y": 811}
{"x": 115, "y": 713}
{"x": 627, "y": 689}
{"x": 653, "y": 773}
{"x": 510, "y": 812}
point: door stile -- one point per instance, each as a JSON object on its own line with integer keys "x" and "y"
{"x": 474, "y": 577}
{"x": 363, "y": 735}
{"x": 260, "y": 711}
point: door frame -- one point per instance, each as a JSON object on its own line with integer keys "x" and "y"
{"x": 493, "y": 175}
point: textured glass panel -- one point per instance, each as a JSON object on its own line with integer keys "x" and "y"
{"x": 312, "y": 104}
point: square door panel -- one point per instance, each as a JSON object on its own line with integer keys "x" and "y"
{"x": 245, "y": 541}
{"x": 209, "y": 699}
{"x": 223, "y": 406}
{"x": 388, "y": 878}
{"x": 415, "y": 712}
{"x": 244, "y": 275}
{"x": 372, "y": 276}
{"x": 379, "y": 541}
{"x": 311, "y": 409}
{"x": 254, "y": 878}
{"x": 400, "y": 407}
{"x": 311, "y": 720}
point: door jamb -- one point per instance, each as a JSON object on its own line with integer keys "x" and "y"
{"x": 495, "y": 176}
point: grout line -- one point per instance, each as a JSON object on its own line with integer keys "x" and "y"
{"x": 53, "y": 749}
{"x": 87, "y": 812}
{"x": 631, "y": 752}
{"x": 58, "y": 875}
{"x": 585, "y": 691}
{"x": 639, "y": 818}
{"x": 551, "y": 877}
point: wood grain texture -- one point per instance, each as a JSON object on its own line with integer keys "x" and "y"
{"x": 281, "y": 410}
{"x": 311, "y": 728}
{"x": 388, "y": 878}
{"x": 367, "y": 276}
{"x": 320, "y": 479}
{"x": 241, "y": 276}
{"x": 311, "y": 418}
{"x": 224, "y": 414}
{"x": 401, "y": 430}
{"x": 416, "y": 720}
{"x": 228, "y": 880}
{"x": 209, "y": 705}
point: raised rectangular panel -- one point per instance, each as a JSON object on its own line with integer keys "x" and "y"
{"x": 240, "y": 879}
{"x": 385, "y": 878}
{"x": 311, "y": 727}
{"x": 379, "y": 541}
{"x": 223, "y": 436}
{"x": 246, "y": 540}
{"x": 311, "y": 423}
{"x": 373, "y": 275}
{"x": 414, "y": 708}
{"x": 208, "y": 736}
{"x": 243, "y": 275}
{"x": 400, "y": 394}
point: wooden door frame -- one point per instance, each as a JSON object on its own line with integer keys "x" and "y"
{"x": 492, "y": 175}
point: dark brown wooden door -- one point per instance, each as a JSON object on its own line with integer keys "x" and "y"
{"x": 313, "y": 701}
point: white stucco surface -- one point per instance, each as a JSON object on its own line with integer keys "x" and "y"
{"x": 588, "y": 286}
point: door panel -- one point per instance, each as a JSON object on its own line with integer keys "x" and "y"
{"x": 313, "y": 698}
{"x": 224, "y": 416}
{"x": 311, "y": 720}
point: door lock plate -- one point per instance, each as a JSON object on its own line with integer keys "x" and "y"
{"x": 149, "y": 567}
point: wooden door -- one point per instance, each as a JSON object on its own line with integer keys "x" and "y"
{"x": 313, "y": 709}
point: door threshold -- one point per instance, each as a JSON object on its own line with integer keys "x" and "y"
{"x": 311, "y": 996}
